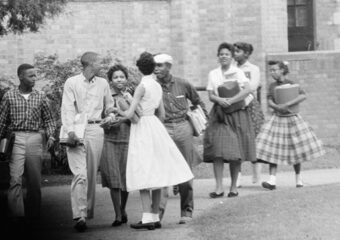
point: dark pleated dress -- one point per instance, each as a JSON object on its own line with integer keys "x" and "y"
{"x": 230, "y": 137}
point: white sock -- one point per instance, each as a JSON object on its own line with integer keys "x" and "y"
{"x": 272, "y": 180}
{"x": 81, "y": 219}
{"x": 155, "y": 217}
{"x": 298, "y": 179}
{"x": 147, "y": 218}
{"x": 238, "y": 182}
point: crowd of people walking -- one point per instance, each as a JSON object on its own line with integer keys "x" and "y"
{"x": 142, "y": 140}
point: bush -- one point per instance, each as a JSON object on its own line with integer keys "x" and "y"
{"x": 53, "y": 74}
{"x": 6, "y": 83}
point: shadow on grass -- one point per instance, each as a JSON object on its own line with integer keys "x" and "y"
{"x": 307, "y": 213}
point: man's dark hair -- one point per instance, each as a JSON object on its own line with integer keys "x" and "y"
{"x": 115, "y": 68}
{"x": 23, "y": 67}
{"x": 228, "y": 46}
{"x": 281, "y": 65}
{"x": 88, "y": 58}
{"x": 246, "y": 47}
{"x": 146, "y": 64}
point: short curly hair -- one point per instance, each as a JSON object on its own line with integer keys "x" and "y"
{"x": 115, "y": 68}
{"x": 281, "y": 65}
{"x": 146, "y": 63}
{"x": 246, "y": 47}
{"x": 226, "y": 45}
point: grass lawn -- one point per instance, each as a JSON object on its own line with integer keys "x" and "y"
{"x": 307, "y": 213}
{"x": 204, "y": 170}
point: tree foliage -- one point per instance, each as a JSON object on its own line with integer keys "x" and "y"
{"x": 17, "y": 16}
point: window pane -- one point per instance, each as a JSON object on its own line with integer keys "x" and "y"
{"x": 301, "y": 16}
{"x": 291, "y": 17}
{"x": 291, "y": 2}
{"x": 301, "y": 2}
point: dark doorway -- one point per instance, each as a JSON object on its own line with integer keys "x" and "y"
{"x": 300, "y": 25}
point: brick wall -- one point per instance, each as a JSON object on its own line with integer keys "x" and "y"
{"x": 127, "y": 27}
{"x": 318, "y": 74}
{"x": 190, "y": 30}
{"x": 327, "y": 24}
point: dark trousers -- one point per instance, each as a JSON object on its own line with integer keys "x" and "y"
{"x": 182, "y": 134}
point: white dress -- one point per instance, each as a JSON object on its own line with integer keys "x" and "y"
{"x": 154, "y": 160}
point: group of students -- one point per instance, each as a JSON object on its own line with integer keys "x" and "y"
{"x": 149, "y": 145}
{"x": 242, "y": 135}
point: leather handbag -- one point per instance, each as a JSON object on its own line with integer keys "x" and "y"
{"x": 230, "y": 89}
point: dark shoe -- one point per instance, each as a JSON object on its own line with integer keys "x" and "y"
{"x": 175, "y": 189}
{"x": 268, "y": 186}
{"x": 215, "y": 195}
{"x": 80, "y": 226}
{"x": 124, "y": 219}
{"x": 299, "y": 185}
{"x": 158, "y": 224}
{"x": 185, "y": 220}
{"x": 117, "y": 223}
{"x": 232, "y": 194}
{"x": 140, "y": 225}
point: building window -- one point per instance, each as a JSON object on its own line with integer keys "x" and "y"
{"x": 300, "y": 25}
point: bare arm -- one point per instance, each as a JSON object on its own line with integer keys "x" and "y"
{"x": 160, "y": 112}
{"x": 297, "y": 100}
{"x": 242, "y": 94}
{"x": 139, "y": 93}
{"x": 216, "y": 99}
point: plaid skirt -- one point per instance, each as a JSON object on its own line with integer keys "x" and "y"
{"x": 113, "y": 164}
{"x": 256, "y": 115}
{"x": 233, "y": 139}
{"x": 287, "y": 140}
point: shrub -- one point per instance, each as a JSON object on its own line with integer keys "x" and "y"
{"x": 53, "y": 73}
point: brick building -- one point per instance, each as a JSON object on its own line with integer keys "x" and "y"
{"x": 191, "y": 30}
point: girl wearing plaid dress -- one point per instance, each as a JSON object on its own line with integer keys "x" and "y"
{"x": 115, "y": 148}
{"x": 286, "y": 138}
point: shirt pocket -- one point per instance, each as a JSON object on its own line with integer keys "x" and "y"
{"x": 180, "y": 101}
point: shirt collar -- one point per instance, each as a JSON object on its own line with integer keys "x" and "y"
{"x": 85, "y": 80}
{"x": 34, "y": 91}
{"x": 172, "y": 80}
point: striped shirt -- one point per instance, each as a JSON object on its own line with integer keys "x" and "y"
{"x": 19, "y": 114}
{"x": 176, "y": 94}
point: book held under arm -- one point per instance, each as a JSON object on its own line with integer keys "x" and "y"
{"x": 286, "y": 93}
{"x": 80, "y": 123}
{"x": 197, "y": 119}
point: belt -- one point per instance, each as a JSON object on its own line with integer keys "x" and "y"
{"x": 177, "y": 120}
{"x": 94, "y": 121}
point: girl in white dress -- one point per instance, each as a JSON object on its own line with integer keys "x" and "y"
{"x": 154, "y": 161}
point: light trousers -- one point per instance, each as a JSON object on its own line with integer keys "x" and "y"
{"x": 26, "y": 160}
{"x": 83, "y": 162}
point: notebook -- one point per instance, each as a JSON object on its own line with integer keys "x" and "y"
{"x": 80, "y": 123}
{"x": 286, "y": 93}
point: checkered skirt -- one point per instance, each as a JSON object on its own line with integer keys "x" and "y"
{"x": 287, "y": 140}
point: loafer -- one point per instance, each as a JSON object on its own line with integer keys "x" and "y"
{"x": 268, "y": 186}
{"x": 140, "y": 225}
{"x": 232, "y": 194}
{"x": 216, "y": 195}
{"x": 158, "y": 224}
{"x": 80, "y": 226}
{"x": 116, "y": 223}
{"x": 299, "y": 185}
{"x": 184, "y": 220}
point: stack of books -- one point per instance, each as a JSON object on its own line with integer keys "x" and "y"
{"x": 228, "y": 90}
{"x": 286, "y": 93}
{"x": 197, "y": 120}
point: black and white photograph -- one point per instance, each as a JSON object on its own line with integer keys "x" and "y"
{"x": 170, "y": 119}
